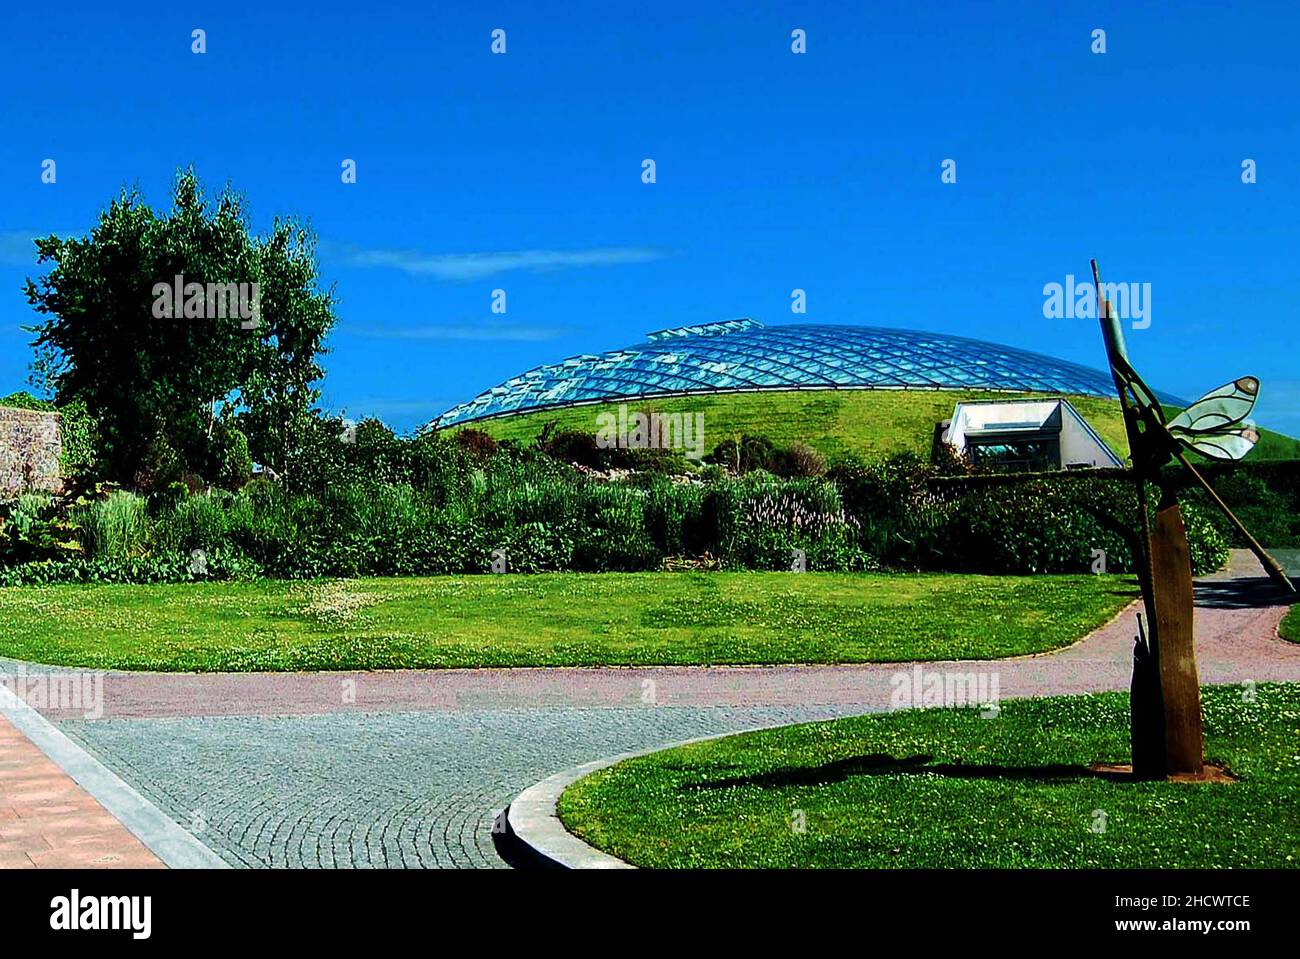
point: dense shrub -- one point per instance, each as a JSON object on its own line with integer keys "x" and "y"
{"x": 437, "y": 467}
{"x": 431, "y": 506}
{"x": 583, "y": 449}
{"x": 203, "y": 521}
{"x": 802, "y": 461}
{"x": 165, "y": 568}
{"x": 78, "y": 435}
{"x": 374, "y": 453}
{"x": 744, "y": 455}
{"x": 753, "y": 452}
{"x": 479, "y": 445}
{"x": 1265, "y": 496}
{"x": 759, "y": 521}
{"x": 574, "y": 446}
{"x": 674, "y": 518}
{"x": 1042, "y": 524}
{"x": 160, "y": 464}
{"x": 22, "y": 400}
{"x": 232, "y": 465}
{"x": 886, "y": 499}
{"x": 616, "y": 535}
{"x": 32, "y": 528}
{"x": 1208, "y": 546}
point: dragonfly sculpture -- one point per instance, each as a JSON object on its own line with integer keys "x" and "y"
{"x": 1166, "y": 705}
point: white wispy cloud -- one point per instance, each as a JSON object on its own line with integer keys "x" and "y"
{"x": 473, "y": 266}
{"x": 464, "y": 331}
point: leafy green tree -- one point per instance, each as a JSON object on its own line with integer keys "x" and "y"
{"x": 159, "y": 381}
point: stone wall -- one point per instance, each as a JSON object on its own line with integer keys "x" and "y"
{"x": 30, "y": 449}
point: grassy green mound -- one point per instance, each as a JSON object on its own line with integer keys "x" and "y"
{"x": 949, "y": 788}
{"x": 869, "y": 423}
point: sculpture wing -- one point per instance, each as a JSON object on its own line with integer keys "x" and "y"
{"x": 1218, "y": 409}
{"x": 1231, "y": 443}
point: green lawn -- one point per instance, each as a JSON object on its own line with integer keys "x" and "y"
{"x": 555, "y": 619}
{"x": 947, "y": 788}
{"x": 870, "y": 423}
{"x": 1289, "y": 628}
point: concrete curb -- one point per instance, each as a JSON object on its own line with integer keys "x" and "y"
{"x": 533, "y": 824}
{"x": 176, "y": 847}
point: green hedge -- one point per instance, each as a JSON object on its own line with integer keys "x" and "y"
{"x": 452, "y": 505}
{"x": 1264, "y": 495}
{"x": 1043, "y": 524}
{"x": 165, "y": 568}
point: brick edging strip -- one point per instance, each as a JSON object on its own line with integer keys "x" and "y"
{"x": 175, "y": 846}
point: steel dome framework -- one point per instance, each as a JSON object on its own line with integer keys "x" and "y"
{"x": 743, "y": 355}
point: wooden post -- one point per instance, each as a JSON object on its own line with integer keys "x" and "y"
{"x": 1171, "y": 587}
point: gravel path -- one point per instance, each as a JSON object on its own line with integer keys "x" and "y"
{"x": 408, "y": 768}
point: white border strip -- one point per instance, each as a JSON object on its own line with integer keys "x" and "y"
{"x": 533, "y": 820}
{"x": 163, "y": 837}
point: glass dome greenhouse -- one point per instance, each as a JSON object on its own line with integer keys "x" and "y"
{"x": 745, "y": 355}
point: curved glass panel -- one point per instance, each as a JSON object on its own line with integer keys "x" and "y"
{"x": 745, "y": 355}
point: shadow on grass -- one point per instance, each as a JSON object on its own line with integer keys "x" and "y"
{"x": 879, "y": 764}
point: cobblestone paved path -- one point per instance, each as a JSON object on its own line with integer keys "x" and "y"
{"x": 407, "y": 768}
{"x": 376, "y": 789}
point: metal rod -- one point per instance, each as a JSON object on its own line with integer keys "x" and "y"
{"x": 1271, "y": 566}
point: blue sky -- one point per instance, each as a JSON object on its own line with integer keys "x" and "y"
{"x": 775, "y": 171}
